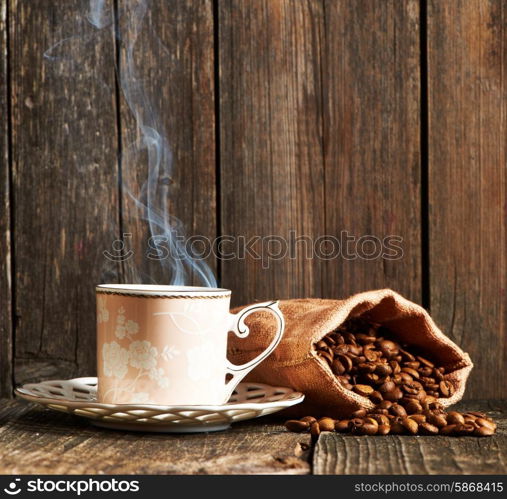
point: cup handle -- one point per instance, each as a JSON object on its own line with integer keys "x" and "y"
{"x": 241, "y": 330}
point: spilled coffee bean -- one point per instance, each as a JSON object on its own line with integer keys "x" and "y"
{"x": 404, "y": 386}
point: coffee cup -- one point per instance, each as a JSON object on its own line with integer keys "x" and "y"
{"x": 167, "y": 345}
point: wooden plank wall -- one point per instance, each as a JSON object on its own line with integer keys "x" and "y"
{"x": 285, "y": 118}
{"x": 467, "y": 67}
{"x": 372, "y": 142}
{"x": 271, "y": 151}
{"x": 65, "y": 173}
{"x": 6, "y": 363}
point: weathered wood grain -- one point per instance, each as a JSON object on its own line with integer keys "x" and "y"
{"x": 64, "y": 182}
{"x": 5, "y": 217}
{"x": 371, "y": 88}
{"x": 42, "y": 441}
{"x": 405, "y": 455}
{"x": 167, "y": 75}
{"x": 35, "y": 440}
{"x": 467, "y": 63}
{"x": 271, "y": 157}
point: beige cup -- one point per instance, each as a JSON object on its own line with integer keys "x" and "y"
{"x": 167, "y": 345}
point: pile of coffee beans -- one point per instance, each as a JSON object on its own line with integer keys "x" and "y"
{"x": 404, "y": 386}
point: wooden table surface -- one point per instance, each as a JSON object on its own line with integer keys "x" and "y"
{"x": 34, "y": 440}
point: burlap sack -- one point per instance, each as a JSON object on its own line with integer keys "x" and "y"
{"x": 295, "y": 364}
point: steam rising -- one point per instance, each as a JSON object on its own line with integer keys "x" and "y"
{"x": 152, "y": 200}
{"x": 97, "y": 15}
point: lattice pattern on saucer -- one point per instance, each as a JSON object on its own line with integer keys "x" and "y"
{"x": 78, "y": 396}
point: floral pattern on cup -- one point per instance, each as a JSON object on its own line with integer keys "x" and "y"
{"x": 102, "y": 311}
{"x": 115, "y": 359}
{"x": 124, "y": 327}
{"x": 169, "y": 353}
{"x": 138, "y": 354}
{"x": 143, "y": 355}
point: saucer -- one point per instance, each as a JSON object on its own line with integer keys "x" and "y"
{"x": 78, "y": 396}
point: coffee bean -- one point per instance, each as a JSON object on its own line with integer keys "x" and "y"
{"x": 454, "y": 418}
{"x": 428, "y": 402}
{"x": 363, "y": 339}
{"x": 337, "y": 367}
{"x": 376, "y": 397}
{"x": 405, "y": 378}
{"x": 406, "y": 356}
{"x": 410, "y": 425}
{"x": 355, "y": 350}
{"x": 410, "y": 371}
{"x": 383, "y": 429}
{"x": 465, "y": 429}
{"x": 483, "y": 431}
{"x": 346, "y": 361}
{"x": 309, "y": 419}
{"x": 381, "y": 419}
{"x": 370, "y": 355}
{"x": 397, "y": 428}
{"x": 477, "y": 414}
{"x": 425, "y": 372}
{"x": 424, "y": 361}
{"x": 326, "y": 424}
{"x": 388, "y": 348}
{"x": 446, "y": 388}
{"x": 340, "y": 349}
{"x": 414, "y": 365}
{"x": 428, "y": 429}
{"x": 366, "y": 367}
{"x": 338, "y": 339}
{"x": 356, "y": 422}
{"x": 395, "y": 366}
{"x": 413, "y": 407}
{"x": 296, "y": 426}
{"x": 377, "y": 410}
{"x": 341, "y": 425}
{"x": 411, "y": 388}
{"x": 388, "y": 386}
{"x": 368, "y": 429}
{"x": 418, "y": 418}
{"x": 422, "y": 396}
{"x": 385, "y": 404}
{"x": 383, "y": 369}
{"x": 315, "y": 431}
{"x": 393, "y": 395}
{"x": 327, "y": 356}
{"x": 486, "y": 423}
{"x": 370, "y": 420}
{"x": 329, "y": 340}
{"x": 355, "y": 425}
{"x": 369, "y": 426}
{"x": 371, "y": 379}
{"x": 398, "y": 410}
{"x": 438, "y": 420}
{"x": 363, "y": 390}
{"x": 360, "y": 413}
